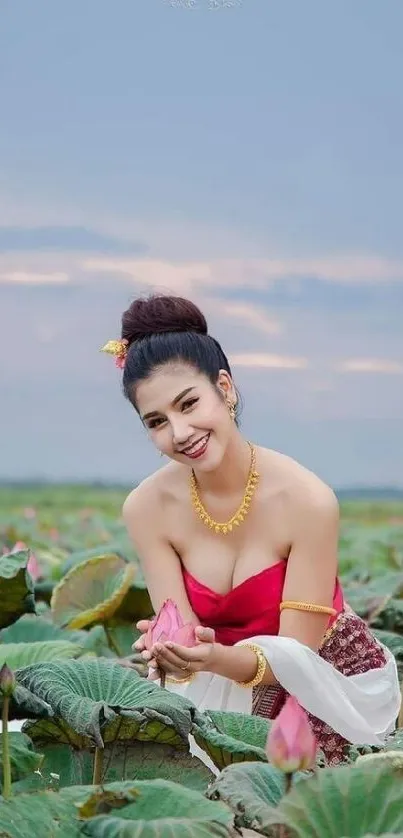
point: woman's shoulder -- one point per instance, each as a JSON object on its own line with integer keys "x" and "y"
{"x": 294, "y": 483}
{"x": 156, "y": 489}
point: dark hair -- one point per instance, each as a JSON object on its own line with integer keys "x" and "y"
{"x": 161, "y": 329}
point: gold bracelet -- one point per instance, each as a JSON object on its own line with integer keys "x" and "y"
{"x": 261, "y": 667}
{"x": 186, "y": 680}
{"x": 308, "y": 606}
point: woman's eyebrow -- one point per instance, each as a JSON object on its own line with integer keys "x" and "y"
{"x": 174, "y": 402}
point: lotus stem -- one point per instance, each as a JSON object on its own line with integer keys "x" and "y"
{"x": 162, "y": 678}
{"x": 6, "y": 751}
{"x": 98, "y": 766}
{"x": 111, "y": 643}
{"x": 288, "y": 782}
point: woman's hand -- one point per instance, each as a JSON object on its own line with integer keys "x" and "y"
{"x": 177, "y": 661}
{"x": 180, "y": 661}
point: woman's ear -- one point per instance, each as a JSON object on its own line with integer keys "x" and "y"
{"x": 225, "y": 384}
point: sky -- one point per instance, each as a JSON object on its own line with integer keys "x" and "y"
{"x": 245, "y": 154}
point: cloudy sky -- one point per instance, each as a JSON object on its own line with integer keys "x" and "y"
{"x": 247, "y": 154}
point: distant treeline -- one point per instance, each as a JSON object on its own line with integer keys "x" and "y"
{"x": 364, "y": 493}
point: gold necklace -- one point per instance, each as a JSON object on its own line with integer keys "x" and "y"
{"x": 242, "y": 510}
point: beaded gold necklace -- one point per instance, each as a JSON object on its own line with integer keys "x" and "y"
{"x": 242, "y": 510}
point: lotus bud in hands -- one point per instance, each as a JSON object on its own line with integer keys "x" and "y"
{"x": 291, "y": 744}
{"x": 168, "y": 625}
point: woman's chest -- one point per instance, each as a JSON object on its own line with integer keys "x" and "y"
{"x": 224, "y": 561}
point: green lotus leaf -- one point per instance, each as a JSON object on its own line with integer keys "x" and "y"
{"x": 251, "y": 730}
{"x": 106, "y": 827}
{"x": 31, "y": 628}
{"x": 181, "y": 813}
{"x": 80, "y": 556}
{"x": 394, "y": 642}
{"x": 390, "y": 618}
{"x": 58, "y": 813}
{"x": 231, "y": 737}
{"x": 25, "y": 705}
{"x": 253, "y": 791}
{"x": 36, "y": 629}
{"x": 136, "y": 604}
{"x": 16, "y": 587}
{"x": 91, "y": 592}
{"x": 44, "y": 814}
{"x": 122, "y": 760}
{"x": 24, "y": 760}
{"x": 19, "y": 655}
{"x": 351, "y": 801}
{"x": 99, "y": 700}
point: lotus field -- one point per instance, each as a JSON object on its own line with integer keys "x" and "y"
{"x": 103, "y": 752}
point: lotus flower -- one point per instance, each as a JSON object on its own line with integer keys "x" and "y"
{"x": 291, "y": 744}
{"x": 168, "y": 625}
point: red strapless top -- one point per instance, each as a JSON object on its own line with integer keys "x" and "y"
{"x": 251, "y": 608}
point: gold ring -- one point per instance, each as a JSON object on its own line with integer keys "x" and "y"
{"x": 187, "y": 666}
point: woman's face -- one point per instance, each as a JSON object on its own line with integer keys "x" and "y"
{"x": 185, "y": 416}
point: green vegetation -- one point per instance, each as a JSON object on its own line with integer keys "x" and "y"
{"x": 106, "y": 752}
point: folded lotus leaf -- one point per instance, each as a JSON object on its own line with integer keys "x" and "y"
{"x": 91, "y": 592}
{"x": 102, "y": 701}
{"x": 16, "y": 587}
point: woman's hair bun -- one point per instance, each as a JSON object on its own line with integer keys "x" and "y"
{"x": 157, "y": 314}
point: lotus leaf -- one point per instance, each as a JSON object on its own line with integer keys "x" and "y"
{"x": 31, "y": 628}
{"x": 350, "y": 800}
{"x": 252, "y": 790}
{"x": 16, "y": 587}
{"x": 116, "y": 827}
{"x": 96, "y": 698}
{"x": 122, "y": 759}
{"x": 91, "y": 592}
{"x": 225, "y": 748}
{"x": 19, "y": 655}
{"x": 24, "y": 760}
{"x": 181, "y": 813}
{"x": 59, "y": 813}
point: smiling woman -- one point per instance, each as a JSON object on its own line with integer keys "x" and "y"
{"x": 244, "y": 540}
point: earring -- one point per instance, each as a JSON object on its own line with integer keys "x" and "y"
{"x": 232, "y": 410}
{"x": 161, "y": 453}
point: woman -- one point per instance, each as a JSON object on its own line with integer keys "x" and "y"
{"x": 244, "y": 540}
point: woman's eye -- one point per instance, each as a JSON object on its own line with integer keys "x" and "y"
{"x": 189, "y": 403}
{"x": 154, "y": 423}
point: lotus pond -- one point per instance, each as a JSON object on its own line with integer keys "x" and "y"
{"x": 104, "y": 752}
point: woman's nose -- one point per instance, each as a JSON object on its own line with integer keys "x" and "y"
{"x": 181, "y": 431}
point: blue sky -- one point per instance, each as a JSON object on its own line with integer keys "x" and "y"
{"x": 247, "y": 155}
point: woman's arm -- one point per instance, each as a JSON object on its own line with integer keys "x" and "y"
{"x": 160, "y": 564}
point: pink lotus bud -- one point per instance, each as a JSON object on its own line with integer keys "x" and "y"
{"x": 7, "y": 681}
{"x": 168, "y": 625}
{"x": 291, "y": 744}
{"x": 33, "y": 567}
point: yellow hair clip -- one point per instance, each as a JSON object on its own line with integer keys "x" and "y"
{"x": 117, "y": 348}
